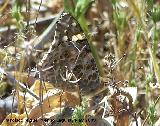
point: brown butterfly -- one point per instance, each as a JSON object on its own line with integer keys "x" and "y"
{"x": 69, "y": 61}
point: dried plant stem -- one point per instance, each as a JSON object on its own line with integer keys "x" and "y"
{"x": 157, "y": 100}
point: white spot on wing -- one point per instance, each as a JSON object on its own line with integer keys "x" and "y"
{"x": 65, "y": 38}
{"x": 74, "y": 24}
{"x": 78, "y": 37}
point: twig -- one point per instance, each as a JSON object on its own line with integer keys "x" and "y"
{"x": 40, "y": 21}
{"x": 129, "y": 112}
{"x": 10, "y": 77}
{"x": 47, "y": 34}
{"x": 4, "y": 6}
{"x": 38, "y": 13}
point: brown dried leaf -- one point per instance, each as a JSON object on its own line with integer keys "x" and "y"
{"x": 55, "y": 5}
{"x": 54, "y": 101}
{"x": 45, "y": 87}
{"x": 23, "y": 77}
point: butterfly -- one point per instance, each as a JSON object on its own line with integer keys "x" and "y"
{"x": 69, "y": 61}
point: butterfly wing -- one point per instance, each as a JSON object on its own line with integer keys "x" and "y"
{"x": 70, "y": 53}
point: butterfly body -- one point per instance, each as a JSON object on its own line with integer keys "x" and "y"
{"x": 69, "y": 61}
